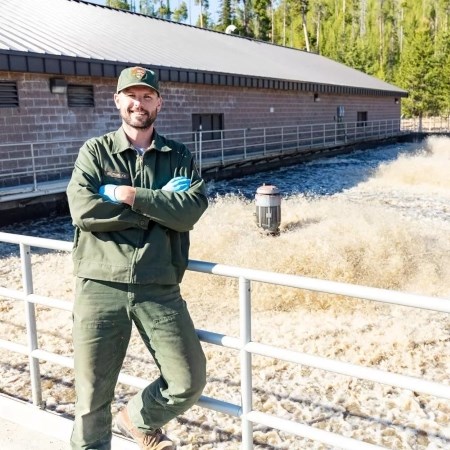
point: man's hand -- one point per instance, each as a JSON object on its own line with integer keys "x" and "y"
{"x": 118, "y": 194}
{"x": 108, "y": 192}
{"x": 177, "y": 184}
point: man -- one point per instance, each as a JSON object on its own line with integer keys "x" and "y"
{"x": 133, "y": 197}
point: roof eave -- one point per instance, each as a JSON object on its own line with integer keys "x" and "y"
{"x": 27, "y": 62}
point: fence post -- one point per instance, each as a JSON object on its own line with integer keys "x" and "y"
{"x": 222, "y": 150}
{"x": 245, "y": 143}
{"x": 265, "y": 141}
{"x": 246, "y": 362}
{"x": 200, "y": 155}
{"x": 196, "y": 148}
{"x": 30, "y": 320}
{"x": 33, "y": 165}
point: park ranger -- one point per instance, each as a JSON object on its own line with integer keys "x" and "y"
{"x": 134, "y": 195}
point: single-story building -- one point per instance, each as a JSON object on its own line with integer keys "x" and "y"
{"x": 59, "y": 62}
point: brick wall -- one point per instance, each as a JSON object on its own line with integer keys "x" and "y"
{"x": 246, "y": 107}
{"x": 55, "y": 130}
{"x": 44, "y": 118}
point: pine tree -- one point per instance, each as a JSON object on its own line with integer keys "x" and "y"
{"x": 442, "y": 56}
{"x": 261, "y": 19}
{"x": 204, "y": 19}
{"x": 225, "y": 15}
{"x": 118, "y": 4}
{"x": 181, "y": 13}
{"x": 418, "y": 74}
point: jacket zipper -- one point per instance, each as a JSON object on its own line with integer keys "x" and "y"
{"x": 140, "y": 237}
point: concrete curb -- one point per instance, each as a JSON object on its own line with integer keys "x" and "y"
{"x": 24, "y": 426}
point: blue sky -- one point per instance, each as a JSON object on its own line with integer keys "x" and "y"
{"x": 213, "y": 8}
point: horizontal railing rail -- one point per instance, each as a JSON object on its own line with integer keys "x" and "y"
{"x": 244, "y": 343}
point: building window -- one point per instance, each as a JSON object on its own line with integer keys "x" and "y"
{"x": 361, "y": 118}
{"x": 9, "y": 97}
{"x": 208, "y": 122}
{"x": 79, "y": 95}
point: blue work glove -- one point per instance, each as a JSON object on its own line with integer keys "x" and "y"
{"x": 107, "y": 191}
{"x": 177, "y": 184}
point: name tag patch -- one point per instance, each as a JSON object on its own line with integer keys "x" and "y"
{"x": 121, "y": 175}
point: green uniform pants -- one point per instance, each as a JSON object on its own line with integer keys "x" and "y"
{"x": 102, "y": 319}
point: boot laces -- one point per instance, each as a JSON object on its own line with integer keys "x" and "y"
{"x": 152, "y": 438}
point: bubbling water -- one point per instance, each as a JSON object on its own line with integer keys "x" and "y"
{"x": 390, "y": 231}
{"x": 385, "y": 225}
{"x": 427, "y": 168}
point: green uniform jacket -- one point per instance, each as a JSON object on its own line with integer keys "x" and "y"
{"x": 145, "y": 243}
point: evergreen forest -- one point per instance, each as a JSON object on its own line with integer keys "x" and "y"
{"x": 406, "y": 43}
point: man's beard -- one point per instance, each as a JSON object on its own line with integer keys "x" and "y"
{"x": 143, "y": 122}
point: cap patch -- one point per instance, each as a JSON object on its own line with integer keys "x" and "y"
{"x": 138, "y": 72}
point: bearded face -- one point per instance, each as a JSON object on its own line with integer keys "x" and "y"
{"x": 139, "y": 118}
{"x": 139, "y": 106}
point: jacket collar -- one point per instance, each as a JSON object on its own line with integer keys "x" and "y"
{"x": 121, "y": 142}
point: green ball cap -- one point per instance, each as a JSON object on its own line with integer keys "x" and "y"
{"x": 137, "y": 76}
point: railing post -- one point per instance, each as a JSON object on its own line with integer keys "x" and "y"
{"x": 246, "y": 362}
{"x": 265, "y": 141}
{"x": 200, "y": 155}
{"x": 196, "y": 148}
{"x": 30, "y": 320}
{"x": 33, "y": 165}
{"x": 222, "y": 146}
{"x": 245, "y": 143}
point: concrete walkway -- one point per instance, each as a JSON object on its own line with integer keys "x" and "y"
{"x": 16, "y": 437}
{"x": 25, "y": 427}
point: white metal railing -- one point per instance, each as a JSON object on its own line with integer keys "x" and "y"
{"x": 31, "y": 163}
{"x": 37, "y": 162}
{"x": 427, "y": 124}
{"x": 231, "y": 146}
{"x": 244, "y": 343}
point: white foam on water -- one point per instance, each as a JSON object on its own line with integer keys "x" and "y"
{"x": 378, "y": 218}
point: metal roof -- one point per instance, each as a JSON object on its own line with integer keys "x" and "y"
{"x": 72, "y": 36}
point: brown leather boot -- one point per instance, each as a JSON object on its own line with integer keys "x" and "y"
{"x": 146, "y": 441}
